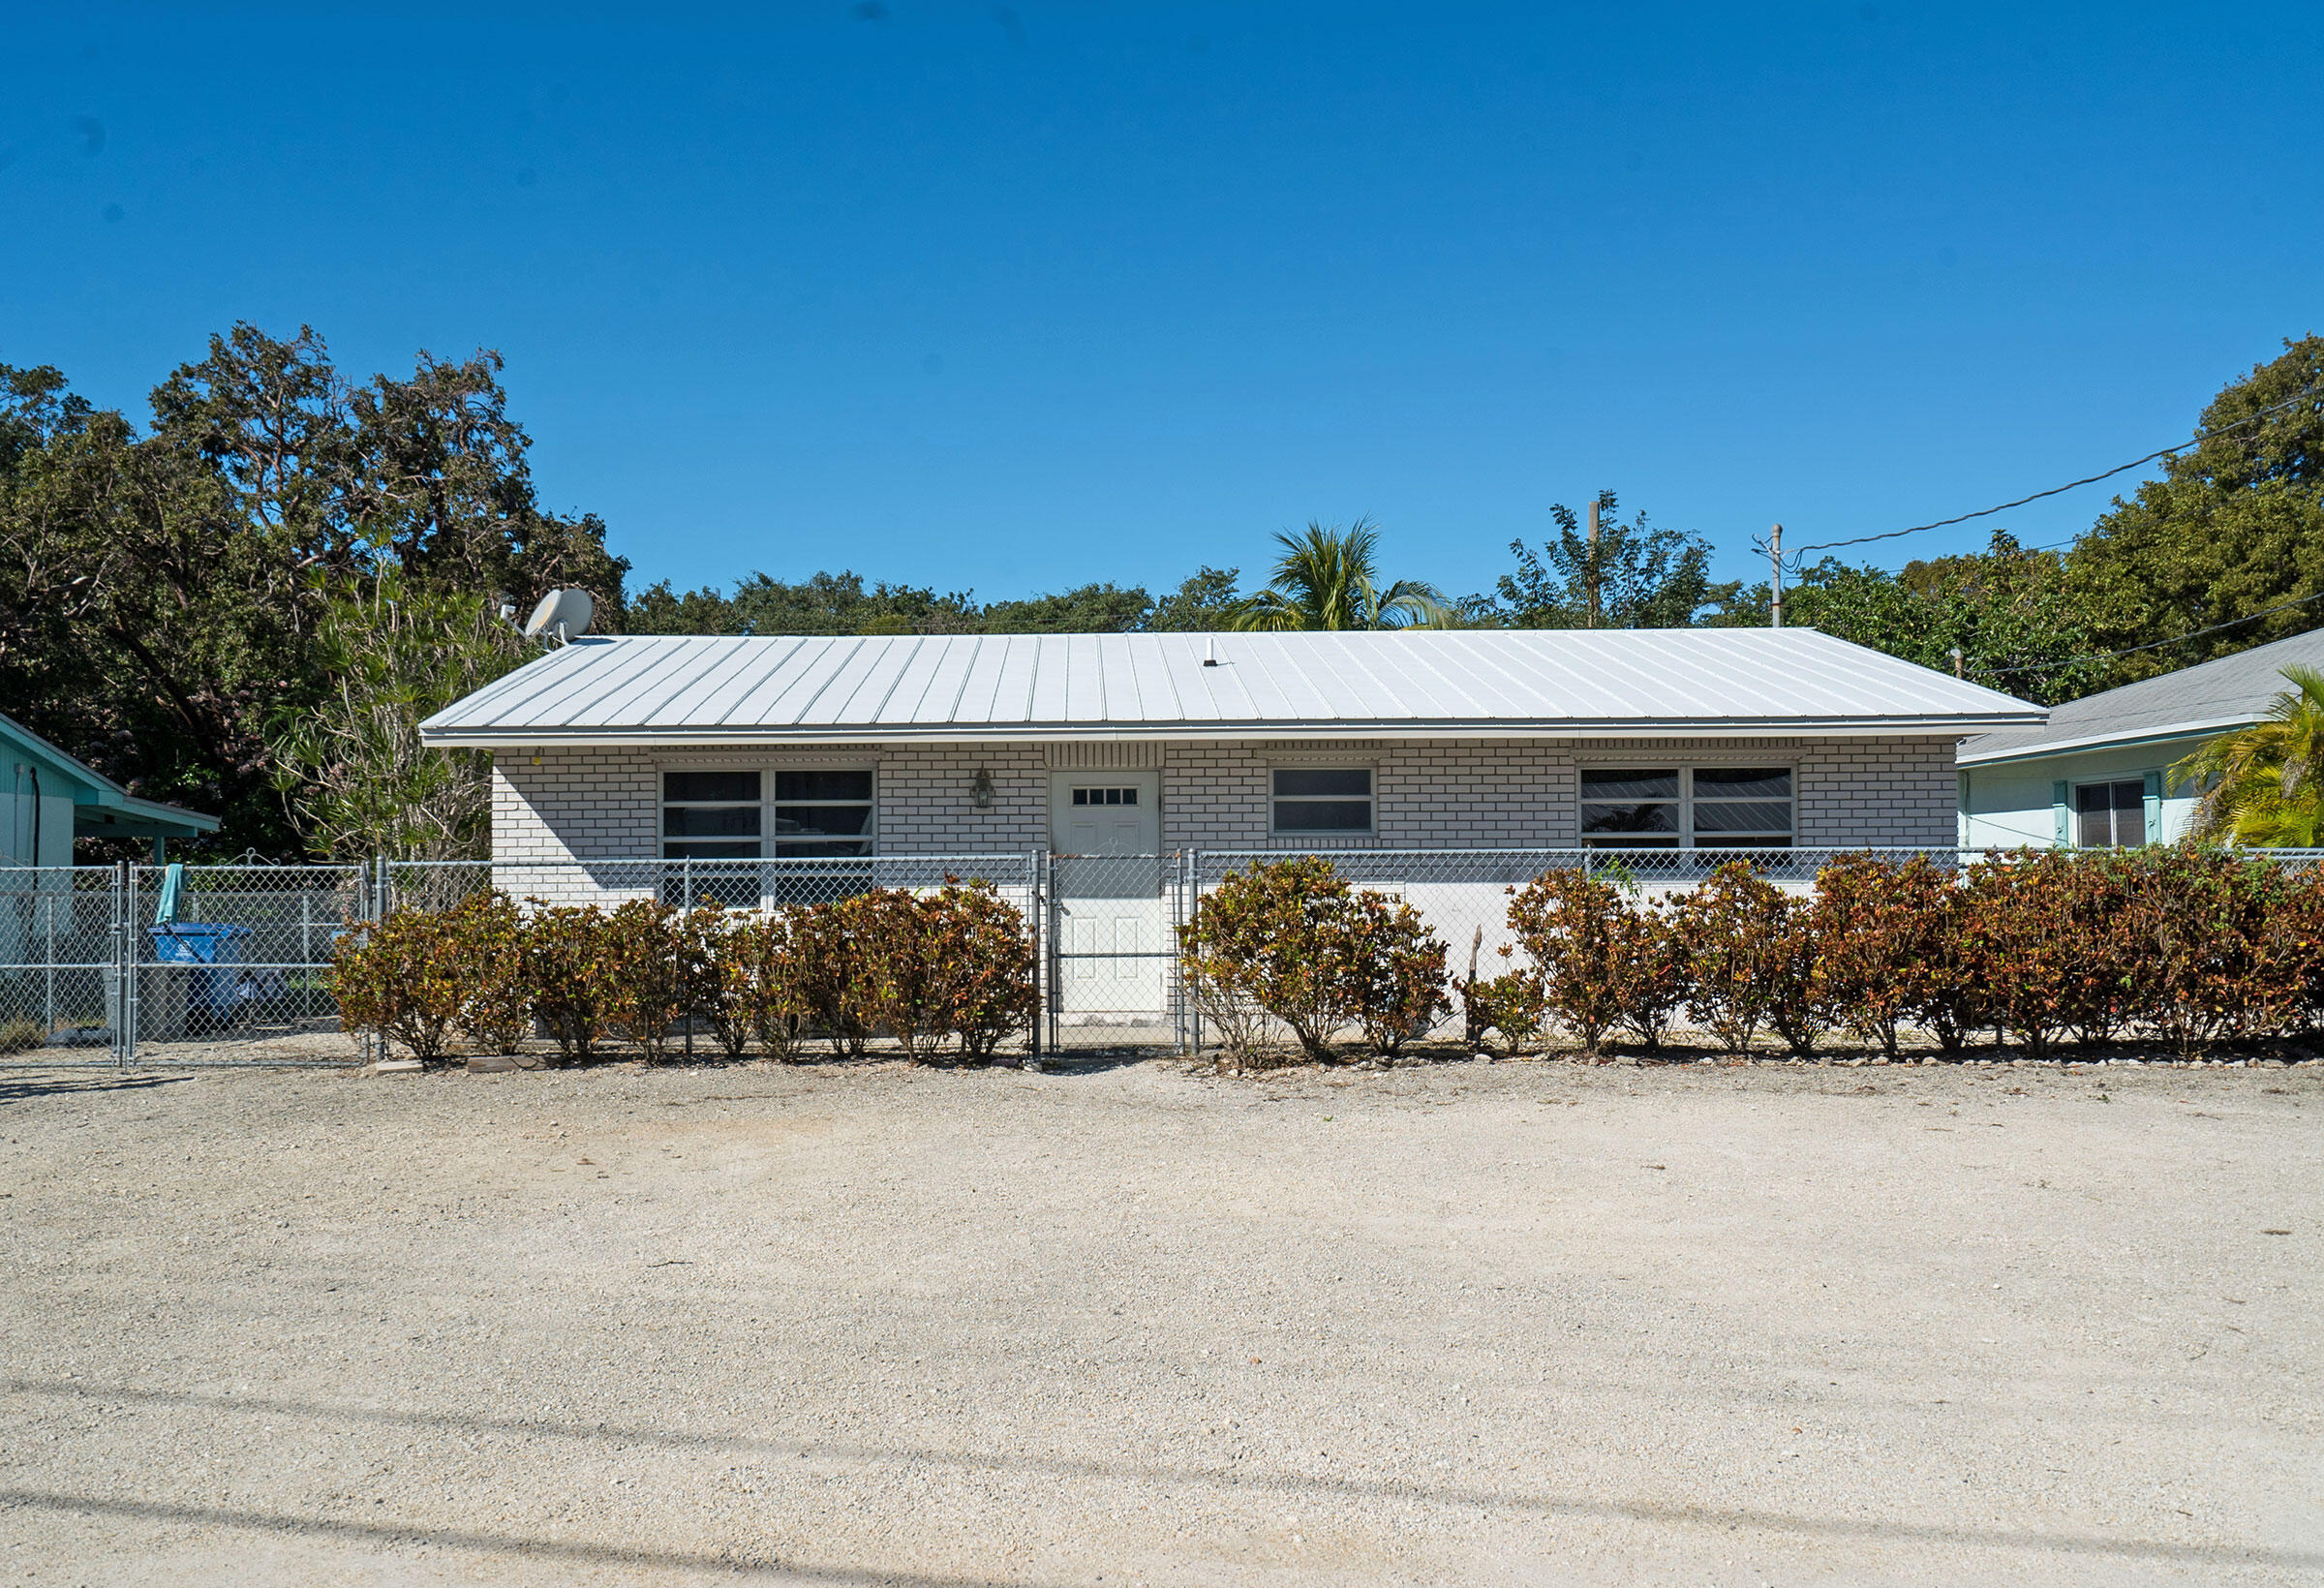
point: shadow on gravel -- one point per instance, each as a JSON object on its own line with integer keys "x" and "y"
{"x": 2087, "y": 1545}
{"x": 1096, "y": 1060}
{"x": 21, "y": 1088}
{"x": 449, "y": 1538}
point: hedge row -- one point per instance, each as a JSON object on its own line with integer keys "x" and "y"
{"x": 947, "y": 972}
{"x": 2180, "y": 945}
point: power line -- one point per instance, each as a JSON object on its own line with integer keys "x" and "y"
{"x": 2151, "y": 645}
{"x": 2296, "y": 398}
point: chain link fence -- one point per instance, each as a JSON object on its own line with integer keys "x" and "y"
{"x": 229, "y": 964}
{"x": 60, "y": 963}
{"x": 684, "y": 884}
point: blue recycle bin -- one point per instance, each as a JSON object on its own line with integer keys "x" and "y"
{"x": 211, "y": 995}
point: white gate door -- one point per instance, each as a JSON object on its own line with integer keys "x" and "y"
{"x": 1112, "y": 930}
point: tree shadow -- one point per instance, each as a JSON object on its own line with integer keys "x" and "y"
{"x": 23, "y": 1087}
{"x": 379, "y": 1534}
{"x": 2081, "y": 1546}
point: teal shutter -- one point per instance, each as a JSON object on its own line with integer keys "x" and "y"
{"x": 2153, "y": 791}
{"x": 2061, "y": 818}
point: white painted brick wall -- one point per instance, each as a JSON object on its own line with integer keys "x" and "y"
{"x": 565, "y": 804}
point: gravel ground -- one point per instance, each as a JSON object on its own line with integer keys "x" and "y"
{"x": 1461, "y": 1323}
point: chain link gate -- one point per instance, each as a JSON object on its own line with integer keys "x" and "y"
{"x": 1112, "y": 977}
{"x": 229, "y": 963}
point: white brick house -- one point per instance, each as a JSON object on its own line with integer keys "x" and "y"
{"x": 650, "y": 746}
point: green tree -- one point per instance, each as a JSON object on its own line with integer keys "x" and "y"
{"x": 36, "y": 406}
{"x": 351, "y": 767}
{"x": 1626, "y": 576}
{"x": 2235, "y": 526}
{"x": 1086, "y": 609}
{"x": 165, "y": 600}
{"x": 144, "y": 627}
{"x": 1327, "y": 578}
{"x": 2264, "y": 784}
{"x": 659, "y": 609}
{"x": 1206, "y": 600}
{"x": 2024, "y": 623}
{"x": 838, "y": 603}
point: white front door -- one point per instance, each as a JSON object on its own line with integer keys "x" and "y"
{"x": 1105, "y": 812}
{"x": 1113, "y": 918}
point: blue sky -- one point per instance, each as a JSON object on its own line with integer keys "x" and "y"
{"x": 1013, "y": 297}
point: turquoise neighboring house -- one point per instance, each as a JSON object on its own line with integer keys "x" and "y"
{"x": 48, "y": 799}
{"x": 2098, "y": 775}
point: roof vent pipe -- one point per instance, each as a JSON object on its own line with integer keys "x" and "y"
{"x": 1209, "y": 651}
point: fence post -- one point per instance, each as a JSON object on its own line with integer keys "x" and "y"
{"x": 1049, "y": 932}
{"x": 1173, "y": 969}
{"x": 51, "y": 899}
{"x": 1194, "y": 907}
{"x": 372, "y": 902}
{"x": 1032, "y": 918}
{"x": 117, "y": 991}
{"x": 129, "y": 973}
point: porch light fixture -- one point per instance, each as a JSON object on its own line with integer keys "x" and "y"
{"x": 979, "y": 792}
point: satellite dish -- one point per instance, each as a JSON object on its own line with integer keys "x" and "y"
{"x": 562, "y": 613}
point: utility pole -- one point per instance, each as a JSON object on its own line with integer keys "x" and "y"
{"x": 1595, "y": 610}
{"x": 1775, "y": 574}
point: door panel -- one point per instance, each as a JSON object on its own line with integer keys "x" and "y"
{"x": 1113, "y": 917}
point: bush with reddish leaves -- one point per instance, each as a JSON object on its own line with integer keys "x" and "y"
{"x": 1743, "y": 968}
{"x": 1288, "y": 943}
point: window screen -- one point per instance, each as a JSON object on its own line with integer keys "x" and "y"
{"x": 709, "y": 815}
{"x": 712, "y": 820}
{"x": 1742, "y": 806}
{"x": 823, "y": 813}
{"x": 1686, "y": 807}
{"x": 1631, "y": 808}
{"x": 2110, "y": 815}
{"x": 1322, "y": 799}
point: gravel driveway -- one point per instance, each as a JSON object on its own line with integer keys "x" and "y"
{"x": 1466, "y": 1324}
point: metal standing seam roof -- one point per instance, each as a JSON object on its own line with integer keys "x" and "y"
{"x": 1553, "y": 682}
{"x": 2209, "y": 697}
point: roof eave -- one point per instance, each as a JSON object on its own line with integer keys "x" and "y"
{"x": 2105, "y": 741}
{"x": 1728, "y": 727}
{"x": 130, "y": 818}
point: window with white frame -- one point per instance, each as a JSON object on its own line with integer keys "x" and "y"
{"x": 823, "y": 812}
{"x": 1326, "y": 802}
{"x": 711, "y": 815}
{"x": 1687, "y": 808}
{"x": 711, "y": 822}
{"x": 717, "y": 821}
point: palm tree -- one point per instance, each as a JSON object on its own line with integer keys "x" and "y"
{"x": 2264, "y": 784}
{"x": 1325, "y": 579}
